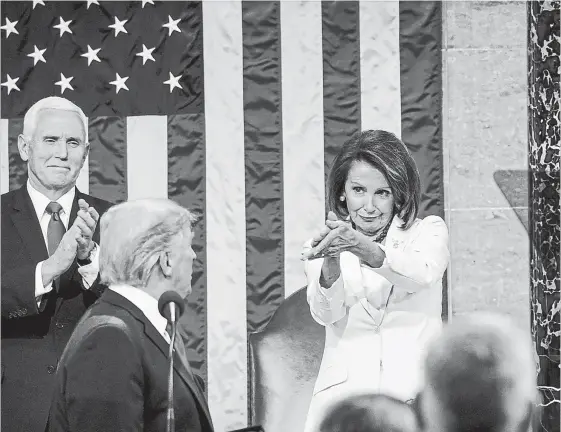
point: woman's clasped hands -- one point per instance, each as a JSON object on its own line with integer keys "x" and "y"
{"x": 335, "y": 237}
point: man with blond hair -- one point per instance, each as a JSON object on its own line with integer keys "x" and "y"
{"x": 113, "y": 374}
{"x": 49, "y": 259}
{"x": 480, "y": 376}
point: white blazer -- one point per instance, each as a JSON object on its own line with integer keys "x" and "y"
{"x": 369, "y": 347}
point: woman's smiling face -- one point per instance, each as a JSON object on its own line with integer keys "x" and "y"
{"x": 368, "y": 197}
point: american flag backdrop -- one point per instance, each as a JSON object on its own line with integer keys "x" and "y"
{"x": 235, "y": 110}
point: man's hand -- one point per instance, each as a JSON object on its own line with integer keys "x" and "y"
{"x": 62, "y": 258}
{"x": 86, "y": 222}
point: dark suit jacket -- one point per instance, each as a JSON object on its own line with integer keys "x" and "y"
{"x": 33, "y": 340}
{"x": 113, "y": 376}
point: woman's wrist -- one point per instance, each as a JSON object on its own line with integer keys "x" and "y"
{"x": 330, "y": 271}
{"x": 370, "y": 253}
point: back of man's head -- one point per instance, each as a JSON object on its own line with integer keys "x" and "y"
{"x": 369, "y": 413}
{"x": 134, "y": 233}
{"x": 480, "y": 376}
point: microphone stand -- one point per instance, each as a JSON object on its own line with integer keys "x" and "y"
{"x": 170, "y": 425}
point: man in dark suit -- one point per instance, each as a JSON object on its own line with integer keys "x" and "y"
{"x": 49, "y": 260}
{"x": 113, "y": 374}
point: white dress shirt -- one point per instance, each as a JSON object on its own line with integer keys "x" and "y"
{"x": 40, "y": 202}
{"x": 147, "y": 304}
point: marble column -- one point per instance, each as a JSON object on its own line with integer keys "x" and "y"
{"x": 544, "y": 212}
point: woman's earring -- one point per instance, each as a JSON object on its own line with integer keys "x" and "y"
{"x": 342, "y": 198}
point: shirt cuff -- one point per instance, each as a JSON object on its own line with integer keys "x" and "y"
{"x": 41, "y": 289}
{"x": 89, "y": 272}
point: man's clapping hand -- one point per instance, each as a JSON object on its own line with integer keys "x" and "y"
{"x": 77, "y": 242}
{"x": 86, "y": 221}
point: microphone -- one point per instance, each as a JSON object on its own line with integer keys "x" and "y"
{"x": 171, "y": 307}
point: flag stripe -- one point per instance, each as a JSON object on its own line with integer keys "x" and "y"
{"x": 341, "y": 75}
{"x": 379, "y": 66}
{"x": 186, "y": 186}
{"x": 187, "y": 169}
{"x": 108, "y": 158}
{"x": 4, "y": 157}
{"x": 147, "y": 157}
{"x": 18, "y": 168}
{"x": 225, "y": 214}
{"x": 420, "y": 39}
{"x": 303, "y": 139}
{"x": 263, "y": 160}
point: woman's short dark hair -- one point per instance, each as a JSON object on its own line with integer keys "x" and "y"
{"x": 387, "y": 153}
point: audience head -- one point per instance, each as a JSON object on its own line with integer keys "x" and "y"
{"x": 54, "y": 143}
{"x": 480, "y": 376}
{"x": 147, "y": 244}
{"x": 369, "y": 413}
{"x": 372, "y": 179}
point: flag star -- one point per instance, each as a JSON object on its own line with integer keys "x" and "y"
{"x": 172, "y": 25}
{"x": 63, "y": 26}
{"x": 147, "y": 1}
{"x": 11, "y": 83}
{"x": 37, "y": 55}
{"x": 91, "y": 2}
{"x": 38, "y": 2}
{"x": 119, "y": 26}
{"x": 173, "y": 82}
{"x": 146, "y": 54}
{"x": 64, "y": 83}
{"x": 91, "y": 55}
{"x": 119, "y": 83}
{"x": 10, "y": 27}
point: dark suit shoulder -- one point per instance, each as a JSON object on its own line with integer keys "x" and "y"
{"x": 105, "y": 319}
{"x": 8, "y": 199}
{"x": 122, "y": 315}
{"x": 99, "y": 204}
{"x": 9, "y": 196}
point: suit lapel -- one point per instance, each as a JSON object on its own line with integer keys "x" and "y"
{"x": 74, "y": 209}
{"x": 27, "y": 225}
{"x": 178, "y": 366}
{"x": 163, "y": 346}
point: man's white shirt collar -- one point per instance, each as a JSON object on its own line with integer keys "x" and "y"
{"x": 40, "y": 202}
{"x": 146, "y": 303}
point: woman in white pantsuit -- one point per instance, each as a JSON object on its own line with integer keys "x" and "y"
{"x": 374, "y": 275}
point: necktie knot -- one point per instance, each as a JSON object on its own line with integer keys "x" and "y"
{"x": 54, "y": 208}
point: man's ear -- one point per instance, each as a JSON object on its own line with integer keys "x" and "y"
{"x": 23, "y": 147}
{"x": 165, "y": 264}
